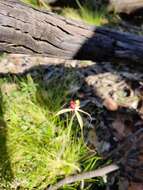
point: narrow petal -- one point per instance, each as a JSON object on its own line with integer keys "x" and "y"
{"x": 79, "y": 118}
{"x": 64, "y": 111}
{"x": 85, "y": 113}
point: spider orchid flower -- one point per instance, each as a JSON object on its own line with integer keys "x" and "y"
{"x": 75, "y": 108}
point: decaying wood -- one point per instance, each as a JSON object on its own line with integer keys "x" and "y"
{"x": 125, "y": 6}
{"x": 21, "y": 63}
{"x": 27, "y": 30}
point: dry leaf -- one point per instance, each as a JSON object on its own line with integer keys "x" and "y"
{"x": 122, "y": 126}
{"x": 119, "y": 126}
{"x": 135, "y": 186}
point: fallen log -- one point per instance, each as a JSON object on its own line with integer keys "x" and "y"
{"x": 126, "y": 6}
{"x": 27, "y": 30}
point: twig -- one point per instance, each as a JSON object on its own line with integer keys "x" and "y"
{"x": 85, "y": 175}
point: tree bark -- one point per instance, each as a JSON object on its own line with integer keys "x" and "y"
{"x": 125, "y": 6}
{"x": 26, "y": 30}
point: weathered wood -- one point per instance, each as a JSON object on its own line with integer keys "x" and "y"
{"x": 24, "y": 29}
{"x": 125, "y": 6}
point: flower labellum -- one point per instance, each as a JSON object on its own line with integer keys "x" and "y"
{"x": 72, "y": 104}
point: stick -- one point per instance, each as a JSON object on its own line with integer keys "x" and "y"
{"x": 85, "y": 175}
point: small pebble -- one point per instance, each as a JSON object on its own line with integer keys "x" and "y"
{"x": 110, "y": 104}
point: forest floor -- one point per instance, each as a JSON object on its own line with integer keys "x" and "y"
{"x": 110, "y": 92}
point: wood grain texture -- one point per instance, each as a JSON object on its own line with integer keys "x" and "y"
{"x": 125, "y": 6}
{"x": 27, "y": 30}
